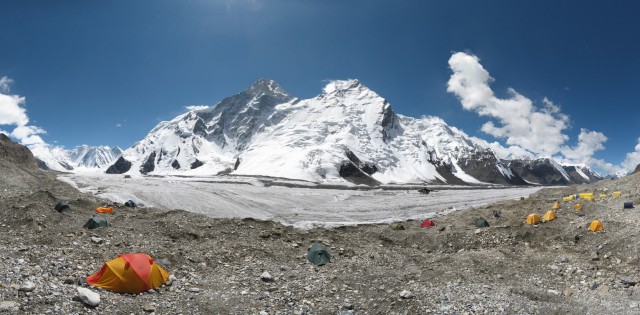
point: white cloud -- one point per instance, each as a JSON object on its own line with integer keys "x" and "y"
{"x": 518, "y": 121}
{"x": 588, "y": 143}
{"x": 118, "y": 125}
{"x": 196, "y": 107}
{"x": 501, "y": 152}
{"x": 12, "y": 113}
{"x": 632, "y": 159}
{"x": 5, "y": 84}
{"x": 528, "y": 130}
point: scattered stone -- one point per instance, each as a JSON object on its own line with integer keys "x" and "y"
{"x": 553, "y": 292}
{"x": 27, "y": 286}
{"x": 266, "y": 277}
{"x": 194, "y": 290}
{"x": 593, "y": 286}
{"x": 594, "y": 256}
{"x": 148, "y": 307}
{"x": 97, "y": 240}
{"x": 88, "y": 297}
{"x": 171, "y": 279}
{"x": 568, "y": 292}
{"x": 406, "y": 294}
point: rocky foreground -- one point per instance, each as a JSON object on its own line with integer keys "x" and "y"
{"x": 255, "y": 267}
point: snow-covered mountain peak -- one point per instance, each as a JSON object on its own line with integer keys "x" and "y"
{"x": 342, "y": 85}
{"x": 349, "y": 89}
{"x": 268, "y": 87}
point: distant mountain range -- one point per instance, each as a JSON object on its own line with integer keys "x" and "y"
{"x": 82, "y": 157}
{"x": 347, "y": 133}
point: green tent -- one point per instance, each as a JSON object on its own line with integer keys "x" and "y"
{"x": 481, "y": 223}
{"x": 396, "y": 226}
{"x": 96, "y": 222}
{"x": 62, "y": 206}
{"x": 318, "y": 255}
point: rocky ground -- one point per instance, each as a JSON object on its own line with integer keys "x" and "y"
{"x": 219, "y": 265}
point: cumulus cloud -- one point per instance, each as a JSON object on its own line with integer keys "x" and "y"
{"x": 632, "y": 159}
{"x": 13, "y": 113}
{"x": 588, "y": 143}
{"x": 118, "y": 125}
{"x": 528, "y": 130}
{"x": 11, "y": 110}
{"x": 196, "y": 107}
{"x": 28, "y": 134}
{"x": 504, "y": 152}
{"x": 518, "y": 121}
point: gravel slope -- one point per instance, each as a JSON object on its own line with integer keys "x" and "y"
{"x": 510, "y": 267}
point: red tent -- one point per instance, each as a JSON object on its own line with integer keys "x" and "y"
{"x": 427, "y": 223}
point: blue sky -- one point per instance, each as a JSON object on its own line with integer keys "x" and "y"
{"x": 106, "y": 72}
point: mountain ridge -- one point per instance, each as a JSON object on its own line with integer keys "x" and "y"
{"x": 347, "y": 133}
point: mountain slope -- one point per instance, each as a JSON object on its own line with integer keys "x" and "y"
{"x": 347, "y": 133}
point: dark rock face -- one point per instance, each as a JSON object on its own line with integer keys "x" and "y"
{"x": 17, "y": 154}
{"x": 197, "y": 163}
{"x": 445, "y": 171}
{"x": 235, "y": 167}
{"x": 483, "y": 165}
{"x": 119, "y": 167}
{"x": 42, "y": 165}
{"x": 149, "y": 165}
{"x": 575, "y": 176}
{"x": 637, "y": 169}
{"x": 540, "y": 171}
{"x": 350, "y": 172}
{"x": 199, "y": 128}
{"x": 175, "y": 164}
{"x": 356, "y": 171}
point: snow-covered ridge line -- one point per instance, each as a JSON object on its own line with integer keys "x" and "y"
{"x": 348, "y": 133}
{"x": 83, "y": 157}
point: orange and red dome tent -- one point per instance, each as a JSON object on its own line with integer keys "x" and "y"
{"x": 129, "y": 273}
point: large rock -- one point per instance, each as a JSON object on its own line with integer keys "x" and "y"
{"x": 119, "y": 167}
{"x": 88, "y": 297}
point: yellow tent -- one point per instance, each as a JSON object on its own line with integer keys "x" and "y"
{"x": 616, "y": 194}
{"x": 595, "y": 226}
{"x": 550, "y": 215}
{"x": 129, "y": 273}
{"x": 555, "y": 206}
{"x": 583, "y": 195}
{"x": 602, "y": 196}
{"x": 589, "y": 198}
{"x": 568, "y": 198}
{"x": 533, "y": 218}
{"x": 578, "y": 206}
